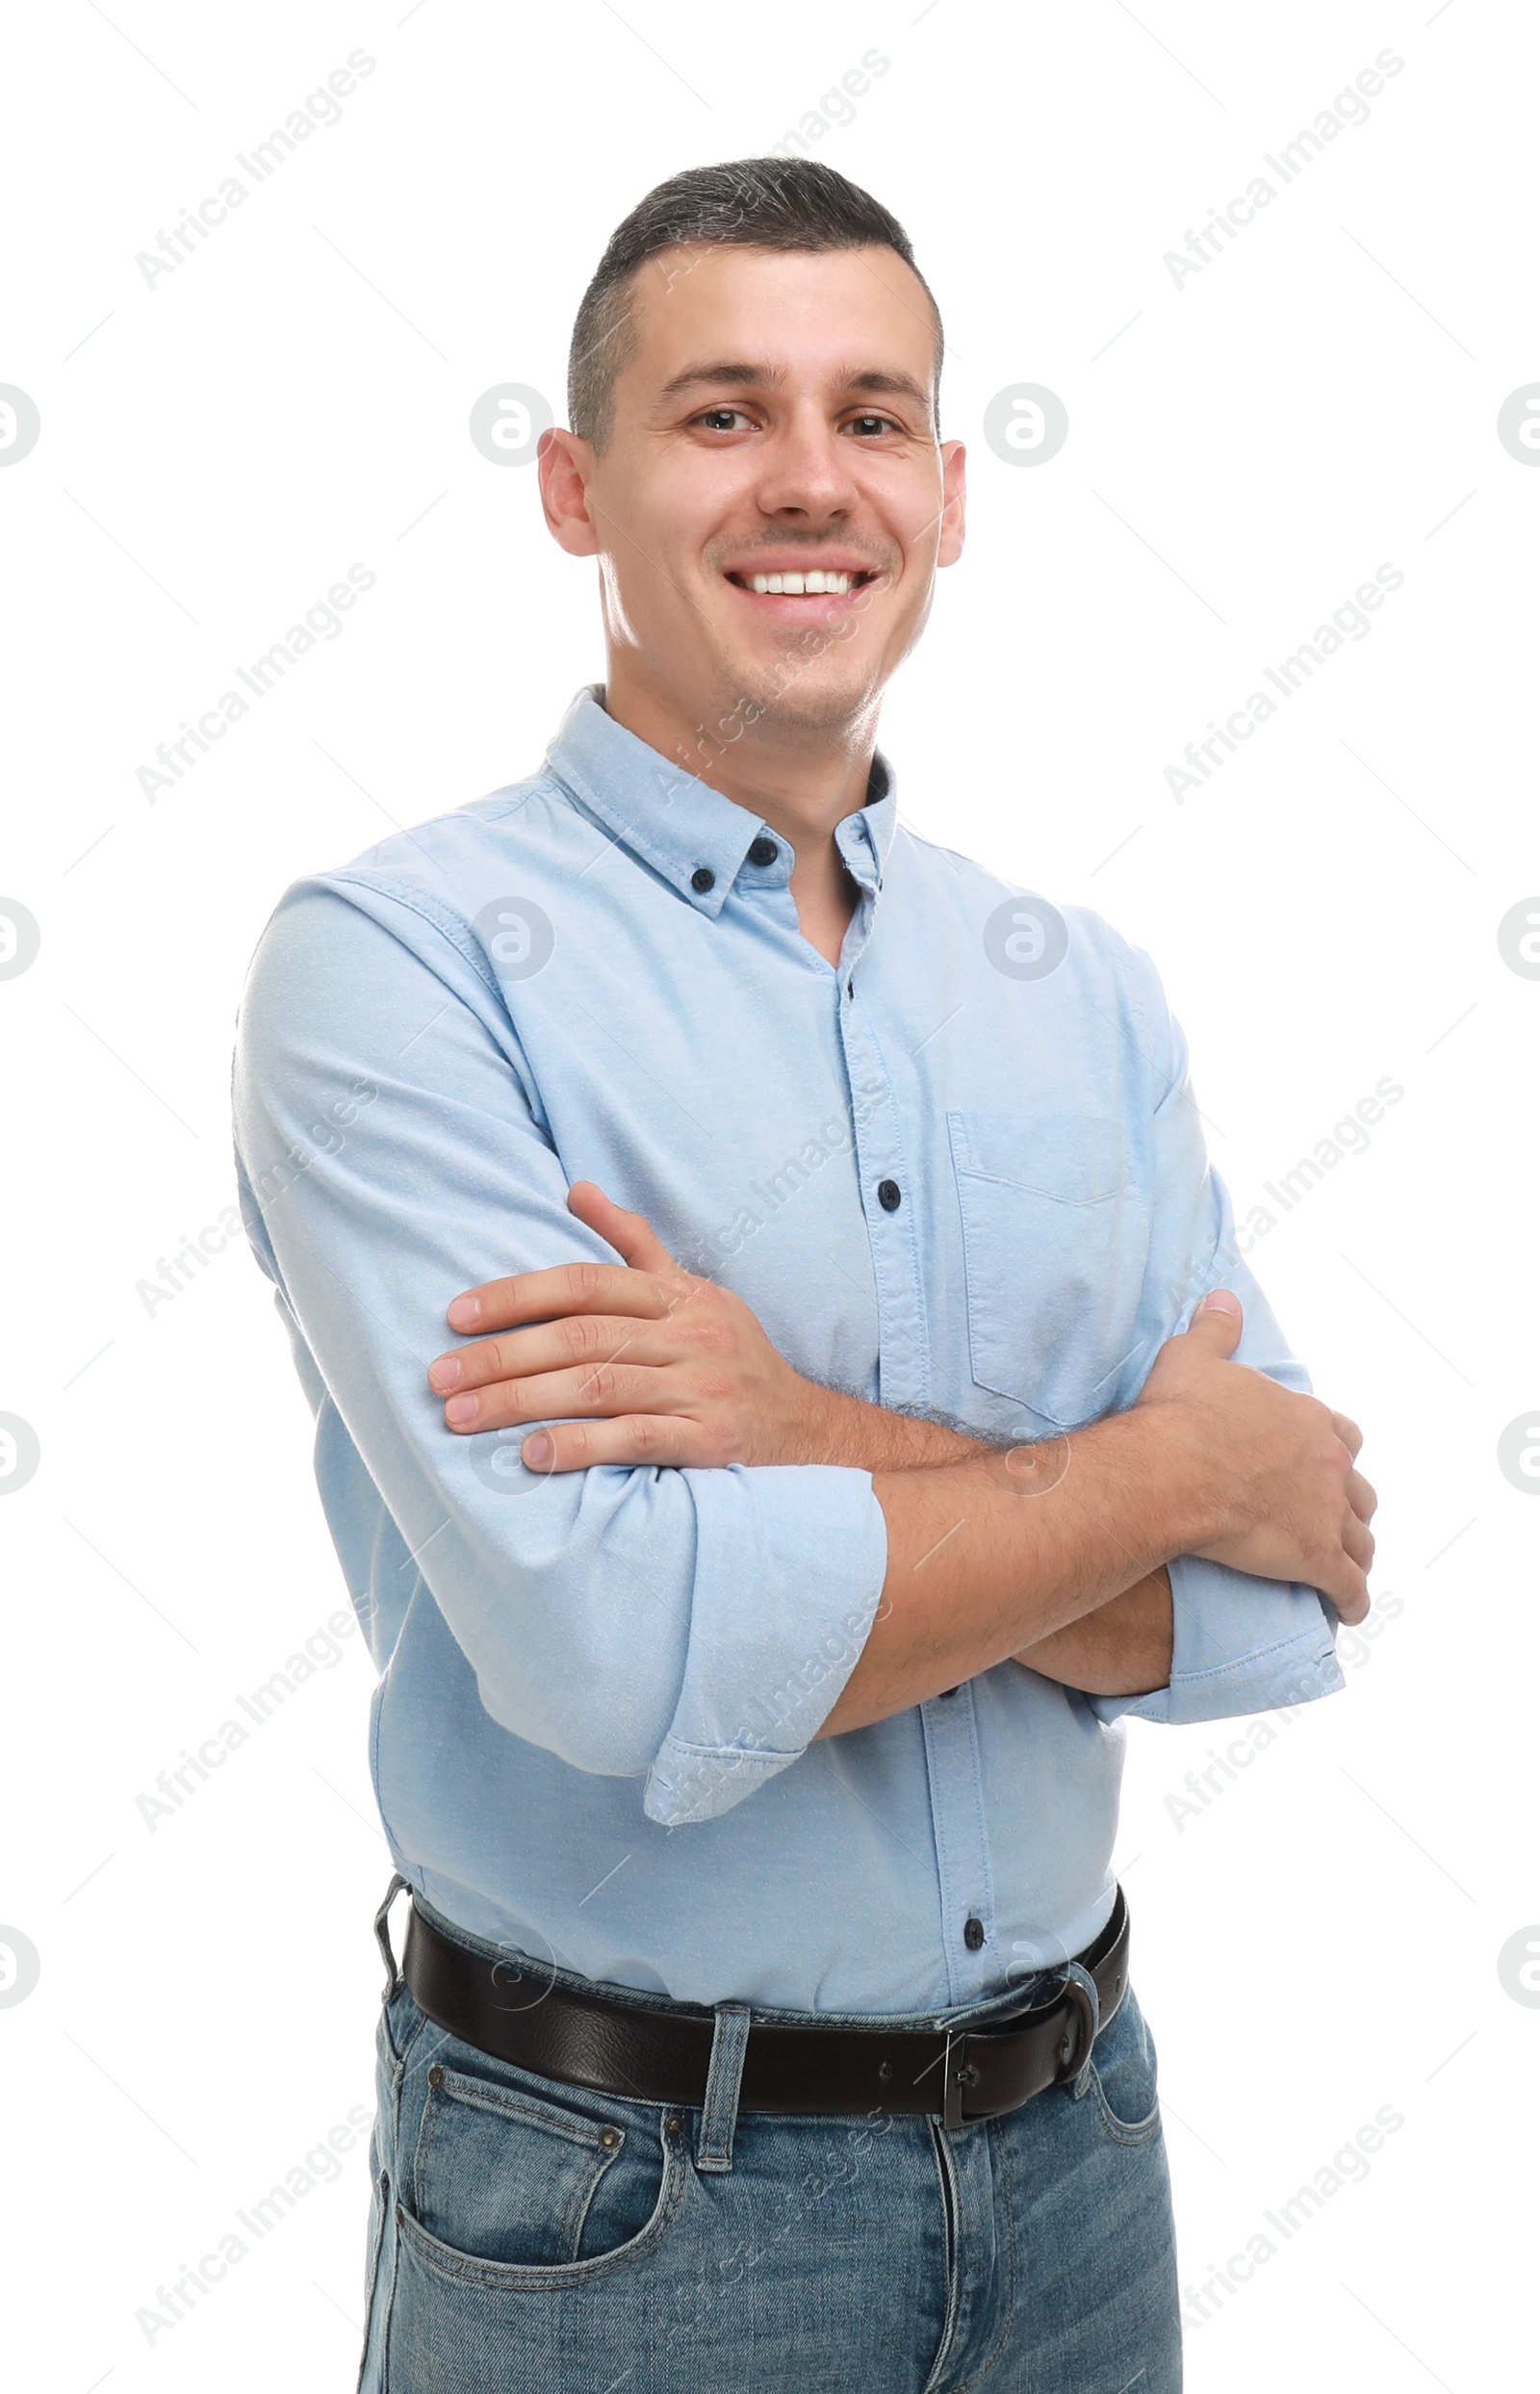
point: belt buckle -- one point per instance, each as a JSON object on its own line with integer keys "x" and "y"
{"x": 956, "y": 2072}
{"x": 1074, "y": 2052}
{"x": 1074, "y": 2056}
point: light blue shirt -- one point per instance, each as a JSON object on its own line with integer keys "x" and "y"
{"x": 593, "y": 1733}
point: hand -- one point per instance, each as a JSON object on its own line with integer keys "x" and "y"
{"x": 1274, "y": 1469}
{"x": 664, "y": 1367}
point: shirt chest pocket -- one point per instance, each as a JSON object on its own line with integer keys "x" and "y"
{"x": 1055, "y": 1239}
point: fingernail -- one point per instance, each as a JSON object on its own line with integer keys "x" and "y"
{"x": 461, "y": 1409}
{"x": 465, "y": 1313}
{"x": 444, "y": 1375}
{"x": 537, "y": 1453}
{"x": 1220, "y": 1300}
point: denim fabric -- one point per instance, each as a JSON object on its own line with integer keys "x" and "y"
{"x": 526, "y": 2236}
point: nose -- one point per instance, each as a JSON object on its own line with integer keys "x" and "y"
{"x": 805, "y": 470}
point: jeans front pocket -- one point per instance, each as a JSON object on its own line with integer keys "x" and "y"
{"x": 1055, "y": 1240}
{"x": 501, "y": 2174}
{"x": 1123, "y": 2077}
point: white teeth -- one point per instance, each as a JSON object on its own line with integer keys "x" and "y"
{"x": 800, "y": 586}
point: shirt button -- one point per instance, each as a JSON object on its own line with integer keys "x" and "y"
{"x": 972, "y": 1933}
{"x": 703, "y": 879}
{"x": 762, "y": 851}
{"x": 890, "y": 1196}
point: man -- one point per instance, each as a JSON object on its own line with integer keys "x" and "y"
{"x": 753, "y": 1614}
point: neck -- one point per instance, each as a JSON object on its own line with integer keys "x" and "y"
{"x": 802, "y": 780}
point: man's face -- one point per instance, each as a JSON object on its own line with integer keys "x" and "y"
{"x": 775, "y": 419}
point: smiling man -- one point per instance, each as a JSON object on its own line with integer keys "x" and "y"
{"x": 854, "y": 1415}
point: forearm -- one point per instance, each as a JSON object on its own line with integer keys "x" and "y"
{"x": 980, "y": 1570}
{"x": 1121, "y": 1649}
{"x": 832, "y": 1428}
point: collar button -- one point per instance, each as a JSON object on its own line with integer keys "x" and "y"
{"x": 703, "y": 879}
{"x": 762, "y": 851}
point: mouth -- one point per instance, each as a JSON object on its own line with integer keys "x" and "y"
{"x": 805, "y": 592}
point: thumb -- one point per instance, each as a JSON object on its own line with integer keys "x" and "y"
{"x": 631, "y": 1235}
{"x": 1217, "y": 1321}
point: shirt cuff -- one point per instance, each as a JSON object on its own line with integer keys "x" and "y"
{"x": 790, "y": 1560}
{"x": 1239, "y": 1645}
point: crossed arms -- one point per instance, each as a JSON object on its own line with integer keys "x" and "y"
{"x": 656, "y": 1366}
{"x": 689, "y": 1625}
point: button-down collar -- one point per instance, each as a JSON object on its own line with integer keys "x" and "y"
{"x": 679, "y": 824}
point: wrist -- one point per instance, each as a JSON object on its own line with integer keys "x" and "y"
{"x": 815, "y": 1424}
{"x": 1145, "y": 1455}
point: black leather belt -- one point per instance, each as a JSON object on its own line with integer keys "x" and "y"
{"x": 621, "y": 2046}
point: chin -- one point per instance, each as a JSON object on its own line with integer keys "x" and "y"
{"x": 829, "y": 711}
{"x": 785, "y": 692}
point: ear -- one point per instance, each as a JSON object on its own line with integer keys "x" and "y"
{"x": 954, "y": 503}
{"x": 566, "y": 467}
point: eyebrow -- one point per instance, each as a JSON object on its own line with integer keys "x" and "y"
{"x": 738, "y": 371}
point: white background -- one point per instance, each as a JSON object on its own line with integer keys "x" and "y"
{"x": 1245, "y": 448}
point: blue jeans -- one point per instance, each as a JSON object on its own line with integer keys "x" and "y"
{"x": 526, "y": 2234}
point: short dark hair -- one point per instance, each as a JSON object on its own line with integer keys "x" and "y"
{"x": 750, "y": 203}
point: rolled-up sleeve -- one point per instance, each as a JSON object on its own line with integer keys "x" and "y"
{"x": 693, "y": 1628}
{"x": 1239, "y": 1644}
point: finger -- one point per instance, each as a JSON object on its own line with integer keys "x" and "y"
{"x": 1361, "y": 1496}
{"x": 1348, "y": 1431}
{"x": 1218, "y": 1323}
{"x": 632, "y": 1438}
{"x": 631, "y": 1235}
{"x": 575, "y": 1339}
{"x": 567, "y": 1288}
{"x": 1348, "y": 1593}
{"x": 1358, "y": 1541}
{"x": 594, "y": 1389}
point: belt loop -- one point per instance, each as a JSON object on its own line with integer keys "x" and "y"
{"x": 713, "y": 2149}
{"x": 382, "y": 1933}
{"x": 1075, "y": 1973}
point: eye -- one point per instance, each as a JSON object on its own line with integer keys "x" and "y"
{"x": 711, "y": 417}
{"x": 869, "y": 427}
